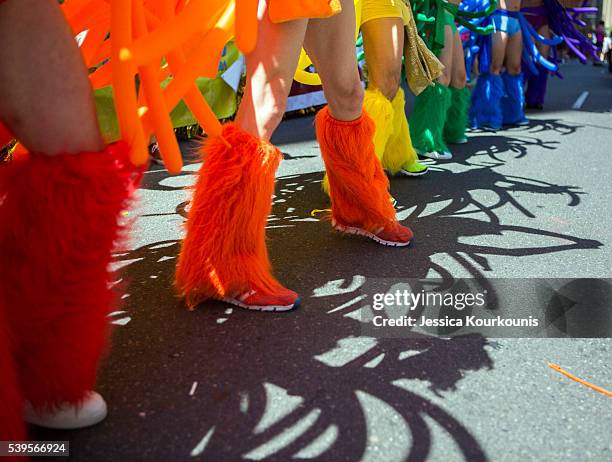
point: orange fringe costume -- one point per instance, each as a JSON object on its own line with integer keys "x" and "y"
{"x": 224, "y": 254}
{"x": 358, "y": 185}
{"x": 60, "y": 221}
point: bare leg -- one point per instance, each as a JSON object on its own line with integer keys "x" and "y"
{"x": 383, "y": 42}
{"x": 446, "y": 57}
{"x": 486, "y": 108}
{"x": 498, "y": 51}
{"x": 59, "y": 212}
{"x": 45, "y": 96}
{"x": 224, "y": 253}
{"x": 330, "y": 44}
{"x": 514, "y": 54}
{"x": 514, "y": 95}
{"x": 358, "y": 186}
{"x": 544, "y": 31}
{"x": 270, "y": 70}
{"x": 456, "y": 117}
{"x": 458, "y": 75}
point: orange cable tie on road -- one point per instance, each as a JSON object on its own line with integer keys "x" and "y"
{"x": 579, "y": 380}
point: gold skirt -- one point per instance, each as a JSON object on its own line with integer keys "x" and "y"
{"x": 422, "y": 66}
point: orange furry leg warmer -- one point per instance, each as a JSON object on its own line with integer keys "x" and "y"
{"x": 224, "y": 252}
{"x": 358, "y": 185}
{"x": 59, "y": 221}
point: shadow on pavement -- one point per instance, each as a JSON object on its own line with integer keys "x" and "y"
{"x": 269, "y": 385}
{"x": 305, "y": 384}
{"x": 515, "y": 140}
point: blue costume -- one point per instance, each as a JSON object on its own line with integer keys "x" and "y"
{"x": 504, "y": 21}
{"x": 499, "y": 99}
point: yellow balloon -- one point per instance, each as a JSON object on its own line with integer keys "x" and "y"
{"x": 312, "y": 78}
{"x": 303, "y": 76}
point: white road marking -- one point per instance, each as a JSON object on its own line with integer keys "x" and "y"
{"x": 581, "y": 99}
{"x": 193, "y": 388}
{"x": 199, "y": 449}
{"x": 347, "y": 304}
{"x": 122, "y": 321}
{"x": 115, "y": 313}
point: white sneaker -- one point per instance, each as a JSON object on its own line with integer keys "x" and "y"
{"x": 282, "y": 300}
{"x": 523, "y": 122}
{"x": 437, "y": 155}
{"x": 69, "y": 416}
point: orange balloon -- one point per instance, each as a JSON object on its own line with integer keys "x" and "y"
{"x": 198, "y": 15}
{"x": 162, "y": 125}
{"x": 71, "y": 7}
{"x": 79, "y": 12}
{"x": 87, "y": 16}
{"x": 202, "y": 61}
{"x": 193, "y": 98}
{"x": 92, "y": 44}
{"x": 189, "y": 34}
{"x": 246, "y": 25}
{"x": 123, "y": 82}
{"x": 103, "y": 53}
{"x": 102, "y": 77}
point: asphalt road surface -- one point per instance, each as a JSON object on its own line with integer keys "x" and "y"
{"x": 223, "y": 384}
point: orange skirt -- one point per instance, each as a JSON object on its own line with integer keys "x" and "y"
{"x": 288, "y": 10}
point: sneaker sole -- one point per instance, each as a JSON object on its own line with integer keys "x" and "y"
{"x": 66, "y": 426}
{"x": 369, "y": 235}
{"x": 407, "y": 173}
{"x": 269, "y": 308}
{"x": 87, "y": 419}
{"x": 434, "y": 155}
{"x": 487, "y": 127}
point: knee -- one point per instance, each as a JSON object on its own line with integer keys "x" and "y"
{"x": 495, "y": 68}
{"x": 445, "y": 78}
{"x": 389, "y": 85}
{"x": 459, "y": 79}
{"x": 346, "y": 97}
{"x": 514, "y": 69}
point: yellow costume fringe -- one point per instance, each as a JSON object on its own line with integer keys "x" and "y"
{"x": 392, "y": 141}
{"x": 399, "y": 151}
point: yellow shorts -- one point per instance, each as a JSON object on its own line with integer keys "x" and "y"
{"x": 377, "y": 9}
